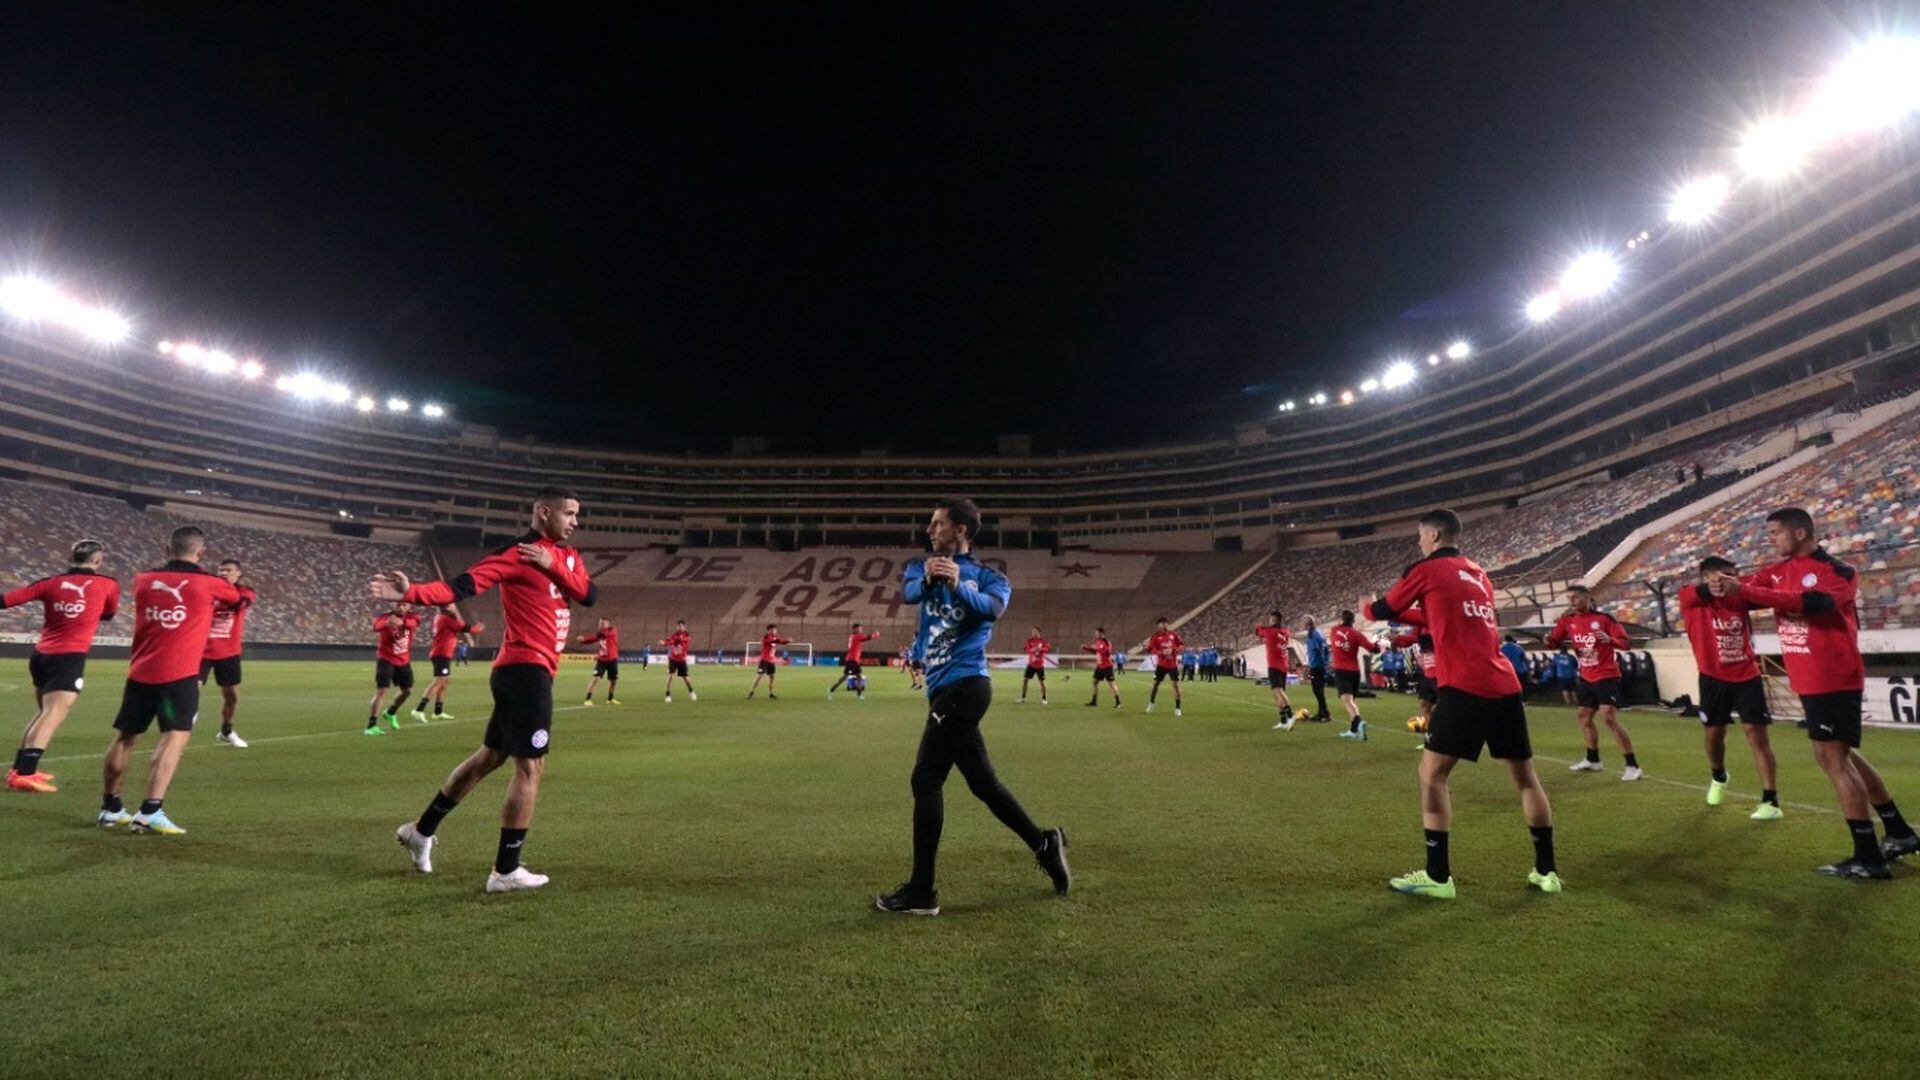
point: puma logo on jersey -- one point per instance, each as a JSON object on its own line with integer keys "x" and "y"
{"x": 1474, "y": 580}
{"x": 77, "y": 586}
{"x": 175, "y": 591}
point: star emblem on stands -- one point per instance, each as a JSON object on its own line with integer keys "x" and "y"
{"x": 1078, "y": 570}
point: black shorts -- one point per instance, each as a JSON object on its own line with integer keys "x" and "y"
{"x": 851, "y": 668}
{"x": 225, "y": 672}
{"x": 609, "y": 668}
{"x": 522, "y": 719}
{"x": 1103, "y": 674}
{"x": 175, "y": 704}
{"x": 442, "y": 666}
{"x": 1462, "y": 723}
{"x": 1597, "y": 695}
{"x": 1429, "y": 691}
{"x": 1160, "y": 673}
{"x": 1346, "y": 682}
{"x": 918, "y": 665}
{"x": 676, "y": 667}
{"x": 766, "y": 667}
{"x": 1720, "y": 699}
{"x": 1834, "y": 717}
{"x": 1036, "y": 671}
{"x": 387, "y": 674}
{"x": 57, "y": 672}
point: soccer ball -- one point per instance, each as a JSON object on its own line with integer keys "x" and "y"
{"x": 1416, "y": 723}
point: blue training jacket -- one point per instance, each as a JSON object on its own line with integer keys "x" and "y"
{"x": 1319, "y": 653}
{"x": 955, "y": 622}
{"x": 1516, "y": 655}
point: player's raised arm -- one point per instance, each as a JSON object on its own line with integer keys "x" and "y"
{"x": 913, "y": 580}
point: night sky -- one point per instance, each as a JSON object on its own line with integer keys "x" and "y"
{"x": 1100, "y": 225}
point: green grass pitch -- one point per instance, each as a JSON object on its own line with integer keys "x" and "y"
{"x": 713, "y": 865}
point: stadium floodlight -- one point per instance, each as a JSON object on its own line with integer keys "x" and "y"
{"x": 1545, "y": 306}
{"x": 219, "y": 363}
{"x": 309, "y": 387}
{"x": 398, "y": 404}
{"x": 1876, "y": 85}
{"x": 1459, "y": 350}
{"x": 1773, "y": 148}
{"x": 165, "y": 347}
{"x": 1398, "y": 374}
{"x": 1589, "y": 275}
{"x": 336, "y": 393}
{"x": 32, "y": 300}
{"x": 1346, "y": 397}
{"x": 1319, "y": 398}
{"x": 1369, "y": 386}
{"x": 1433, "y": 359}
{"x": 1697, "y": 199}
{"x": 365, "y": 404}
{"x": 432, "y": 411}
{"x": 252, "y": 369}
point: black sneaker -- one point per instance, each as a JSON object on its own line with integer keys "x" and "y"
{"x": 1091, "y": 704}
{"x": 1900, "y": 847}
{"x": 1052, "y": 857}
{"x": 1854, "y": 868}
{"x": 907, "y": 900}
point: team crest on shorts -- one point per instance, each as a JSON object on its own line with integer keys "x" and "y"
{"x": 80, "y": 683}
{"x": 539, "y": 740}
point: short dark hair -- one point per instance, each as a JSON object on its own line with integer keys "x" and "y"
{"x": 771, "y": 625}
{"x": 1793, "y": 517}
{"x": 1276, "y": 615}
{"x": 1509, "y": 639}
{"x": 1579, "y": 588}
{"x": 1443, "y": 521}
{"x": 230, "y": 561}
{"x": 679, "y": 622}
{"x": 83, "y": 550}
{"x": 186, "y": 540}
{"x": 1346, "y": 617}
{"x": 554, "y": 494}
{"x": 857, "y": 626}
{"x": 1100, "y": 630}
{"x": 961, "y": 512}
{"x": 1162, "y": 619}
{"x": 1713, "y": 563}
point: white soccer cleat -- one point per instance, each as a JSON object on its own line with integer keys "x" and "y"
{"x": 1284, "y": 725}
{"x": 1149, "y": 706}
{"x": 1586, "y": 766}
{"x": 669, "y": 699}
{"x": 1631, "y": 772}
{"x": 521, "y": 878}
{"x": 691, "y": 696}
{"x": 232, "y": 739}
{"x": 109, "y": 818}
{"x": 1177, "y": 712}
{"x": 418, "y": 846}
{"x": 420, "y": 715}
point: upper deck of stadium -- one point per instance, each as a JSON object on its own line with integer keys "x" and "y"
{"x": 1812, "y": 296}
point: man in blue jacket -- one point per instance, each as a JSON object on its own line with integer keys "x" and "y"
{"x": 1319, "y": 659}
{"x": 1516, "y": 655}
{"x": 959, "y": 601}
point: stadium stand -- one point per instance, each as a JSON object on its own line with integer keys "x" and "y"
{"x": 312, "y": 588}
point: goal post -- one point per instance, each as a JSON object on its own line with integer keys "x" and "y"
{"x": 796, "y": 653}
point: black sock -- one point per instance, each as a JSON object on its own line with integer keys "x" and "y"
{"x": 27, "y": 761}
{"x": 111, "y": 803}
{"x": 1719, "y": 776}
{"x": 1632, "y": 762}
{"x": 440, "y": 807}
{"x": 1866, "y": 848}
{"x": 152, "y": 806}
{"x": 1437, "y": 866}
{"x": 1593, "y": 754}
{"x": 226, "y": 727}
{"x": 1353, "y": 724}
{"x": 372, "y": 720}
{"x": 1542, "y": 848}
{"x": 439, "y": 707}
{"x": 1770, "y": 796}
{"x": 1890, "y": 817}
{"x": 508, "y": 860}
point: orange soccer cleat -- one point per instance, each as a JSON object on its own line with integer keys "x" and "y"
{"x": 40, "y": 783}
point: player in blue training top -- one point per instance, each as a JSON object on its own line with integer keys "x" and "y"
{"x": 959, "y": 601}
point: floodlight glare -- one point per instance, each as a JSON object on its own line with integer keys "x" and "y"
{"x": 251, "y": 369}
{"x": 1544, "y": 307}
{"x": 336, "y": 393}
{"x": 1875, "y": 86}
{"x": 1698, "y": 199}
{"x": 432, "y": 411}
{"x": 219, "y": 363}
{"x": 165, "y": 347}
{"x": 365, "y": 404}
{"x": 1399, "y": 374}
{"x": 1370, "y": 386}
{"x": 1319, "y": 398}
{"x": 1433, "y": 359}
{"x": 1459, "y": 350}
{"x": 1589, "y": 275}
{"x": 1773, "y": 148}
{"x": 398, "y": 404}
{"x": 1346, "y": 397}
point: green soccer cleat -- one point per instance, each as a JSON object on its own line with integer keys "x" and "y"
{"x": 443, "y": 716}
{"x": 393, "y": 721}
{"x": 1548, "y": 882}
{"x": 371, "y": 729}
{"x": 1717, "y": 792}
{"x": 1766, "y": 811}
{"x": 1419, "y": 884}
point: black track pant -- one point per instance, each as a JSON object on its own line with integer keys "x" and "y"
{"x": 952, "y": 740}
{"x": 1318, "y": 676}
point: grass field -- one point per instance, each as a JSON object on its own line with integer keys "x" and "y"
{"x": 713, "y": 864}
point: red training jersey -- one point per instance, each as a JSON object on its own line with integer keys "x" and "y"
{"x": 173, "y": 610}
{"x": 609, "y": 640}
{"x": 1812, "y": 597}
{"x": 1721, "y": 632}
{"x": 229, "y": 626}
{"x": 857, "y": 643}
{"x": 1037, "y": 650}
{"x": 396, "y": 642}
{"x": 1276, "y": 638}
{"x": 1165, "y": 647}
{"x": 533, "y": 600}
{"x": 1102, "y": 651}
{"x": 1595, "y": 635}
{"x": 768, "y": 644}
{"x": 1346, "y": 643}
{"x": 74, "y": 603}
{"x": 447, "y": 629}
{"x": 1456, "y": 597}
{"x": 678, "y": 644}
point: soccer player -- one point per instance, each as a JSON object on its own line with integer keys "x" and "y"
{"x": 606, "y": 661}
{"x": 1165, "y": 646}
{"x": 537, "y": 575}
{"x": 222, "y": 657}
{"x": 392, "y": 664}
{"x": 1319, "y": 659}
{"x": 1595, "y": 635}
{"x": 679, "y": 648}
{"x": 770, "y": 643}
{"x": 173, "y": 610}
{"x": 462, "y": 650}
{"x": 1274, "y": 634}
{"x": 1037, "y": 648}
{"x": 959, "y": 600}
{"x": 1344, "y": 643}
{"x": 1566, "y": 672}
{"x": 1516, "y": 655}
{"x": 1721, "y": 632}
{"x": 1479, "y": 702}
{"x": 1102, "y": 650}
{"x": 73, "y": 602}
{"x": 448, "y": 630}
{"x": 1812, "y": 597}
{"x": 851, "y": 672}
